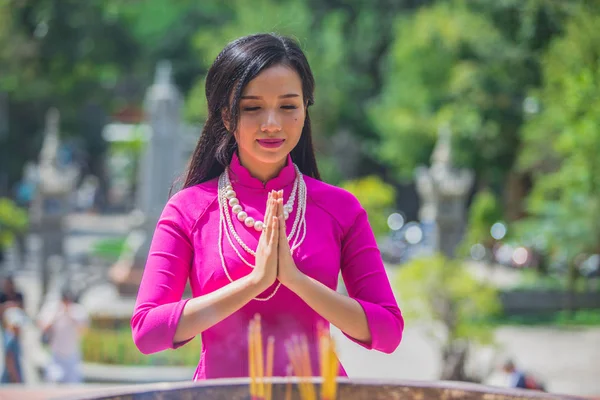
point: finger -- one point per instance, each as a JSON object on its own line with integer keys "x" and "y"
{"x": 268, "y": 215}
{"x": 273, "y": 238}
{"x": 282, "y": 226}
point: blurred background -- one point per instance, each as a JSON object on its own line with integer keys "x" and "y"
{"x": 469, "y": 130}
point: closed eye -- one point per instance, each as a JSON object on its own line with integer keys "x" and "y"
{"x": 289, "y": 107}
{"x": 251, "y": 108}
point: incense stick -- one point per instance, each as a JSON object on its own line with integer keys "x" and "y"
{"x": 251, "y": 361}
{"x": 259, "y": 358}
{"x": 288, "y": 384}
{"x": 329, "y": 364}
{"x": 291, "y": 351}
{"x": 307, "y": 367}
{"x": 269, "y": 372}
{"x": 333, "y": 371}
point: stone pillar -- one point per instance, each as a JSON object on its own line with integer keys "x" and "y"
{"x": 51, "y": 203}
{"x": 160, "y": 161}
{"x": 159, "y": 167}
{"x": 443, "y": 190}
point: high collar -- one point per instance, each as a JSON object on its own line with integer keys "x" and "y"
{"x": 241, "y": 176}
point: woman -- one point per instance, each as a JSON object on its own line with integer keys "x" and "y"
{"x": 255, "y": 230}
{"x": 13, "y": 320}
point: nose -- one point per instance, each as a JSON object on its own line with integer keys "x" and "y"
{"x": 270, "y": 124}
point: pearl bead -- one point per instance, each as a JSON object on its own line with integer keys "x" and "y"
{"x": 249, "y": 221}
{"x": 286, "y": 214}
{"x": 237, "y": 209}
{"x": 230, "y": 194}
{"x": 228, "y": 187}
{"x": 287, "y": 208}
{"x": 258, "y": 225}
{"x": 242, "y": 215}
{"x": 234, "y": 202}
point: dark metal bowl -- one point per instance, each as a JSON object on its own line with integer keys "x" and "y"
{"x": 351, "y": 389}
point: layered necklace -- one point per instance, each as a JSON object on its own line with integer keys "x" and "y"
{"x": 230, "y": 207}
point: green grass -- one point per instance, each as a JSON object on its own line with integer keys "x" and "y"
{"x": 116, "y": 347}
{"x": 579, "y": 318}
{"x": 531, "y": 280}
{"x": 108, "y": 248}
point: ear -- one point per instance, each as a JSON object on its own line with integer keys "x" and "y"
{"x": 225, "y": 116}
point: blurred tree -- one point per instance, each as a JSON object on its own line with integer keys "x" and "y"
{"x": 562, "y": 144}
{"x": 471, "y": 64}
{"x": 442, "y": 292}
{"x": 484, "y": 212}
{"x": 447, "y": 65}
{"x": 377, "y": 198}
{"x": 67, "y": 54}
{"x": 13, "y": 222}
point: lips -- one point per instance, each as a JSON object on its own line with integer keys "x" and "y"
{"x": 270, "y": 143}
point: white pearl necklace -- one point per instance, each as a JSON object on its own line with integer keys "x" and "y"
{"x": 297, "y": 234}
{"x": 237, "y": 208}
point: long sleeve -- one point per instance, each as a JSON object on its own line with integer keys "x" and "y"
{"x": 159, "y": 302}
{"x": 367, "y": 282}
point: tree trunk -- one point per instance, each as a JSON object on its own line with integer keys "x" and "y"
{"x": 572, "y": 275}
{"x": 454, "y": 358}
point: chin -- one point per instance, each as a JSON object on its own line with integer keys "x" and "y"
{"x": 271, "y": 157}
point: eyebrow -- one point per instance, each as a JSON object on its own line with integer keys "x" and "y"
{"x": 283, "y": 96}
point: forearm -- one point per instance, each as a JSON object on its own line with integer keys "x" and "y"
{"x": 341, "y": 311}
{"x": 203, "y": 312}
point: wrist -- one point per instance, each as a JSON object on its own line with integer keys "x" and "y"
{"x": 259, "y": 282}
{"x": 295, "y": 282}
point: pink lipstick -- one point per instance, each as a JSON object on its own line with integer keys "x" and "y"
{"x": 270, "y": 143}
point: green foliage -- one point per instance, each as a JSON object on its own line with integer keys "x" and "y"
{"x": 13, "y": 220}
{"x": 109, "y": 249}
{"x": 443, "y": 68}
{"x": 376, "y": 197}
{"x": 116, "y": 347}
{"x": 562, "y": 318}
{"x": 435, "y": 289}
{"x": 531, "y": 280}
{"x": 563, "y": 142}
{"x": 484, "y": 212}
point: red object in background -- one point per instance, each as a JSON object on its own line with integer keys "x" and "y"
{"x": 129, "y": 115}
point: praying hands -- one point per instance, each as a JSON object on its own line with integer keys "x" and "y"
{"x": 287, "y": 271}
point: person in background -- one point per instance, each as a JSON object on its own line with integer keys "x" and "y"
{"x": 10, "y": 297}
{"x": 13, "y": 319}
{"x": 520, "y": 379}
{"x": 62, "y": 325}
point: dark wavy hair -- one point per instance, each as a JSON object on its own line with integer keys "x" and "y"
{"x": 237, "y": 64}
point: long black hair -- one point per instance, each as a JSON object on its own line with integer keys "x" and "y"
{"x": 237, "y": 64}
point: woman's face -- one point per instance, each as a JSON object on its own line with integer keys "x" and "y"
{"x": 272, "y": 113}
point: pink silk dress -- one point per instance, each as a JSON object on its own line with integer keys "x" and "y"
{"x": 184, "y": 247}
